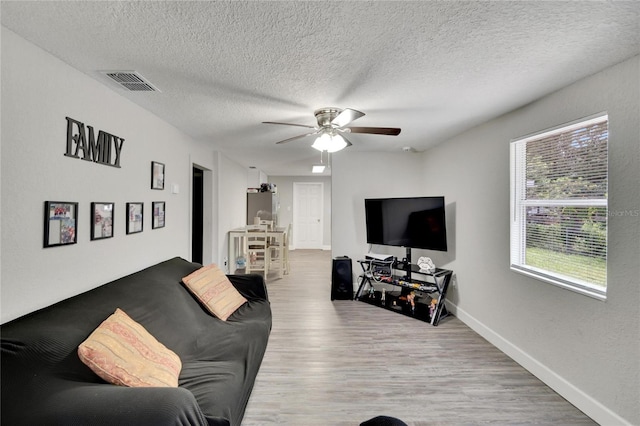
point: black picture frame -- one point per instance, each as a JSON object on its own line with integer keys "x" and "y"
{"x": 157, "y": 175}
{"x": 102, "y": 218}
{"x": 135, "y": 218}
{"x": 159, "y": 214}
{"x": 60, "y": 223}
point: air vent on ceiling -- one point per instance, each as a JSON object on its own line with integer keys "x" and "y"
{"x": 131, "y": 81}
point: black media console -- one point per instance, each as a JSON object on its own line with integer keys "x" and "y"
{"x": 404, "y": 288}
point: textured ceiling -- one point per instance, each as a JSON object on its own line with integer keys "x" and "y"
{"x": 435, "y": 69}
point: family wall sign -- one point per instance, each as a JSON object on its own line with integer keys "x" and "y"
{"x": 83, "y": 145}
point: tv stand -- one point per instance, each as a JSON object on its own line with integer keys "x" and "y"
{"x": 407, "y": 261}
{"x": 402, "y": 287}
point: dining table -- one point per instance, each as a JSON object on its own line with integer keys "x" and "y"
{"x": 236, "y": 247}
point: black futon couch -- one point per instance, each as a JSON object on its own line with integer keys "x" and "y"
{"x": 45, "y": 383}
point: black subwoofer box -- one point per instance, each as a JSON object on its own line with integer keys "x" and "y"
{"x": 341, "y": 279}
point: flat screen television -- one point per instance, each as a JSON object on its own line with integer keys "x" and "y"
{"x": 417, "y": 222}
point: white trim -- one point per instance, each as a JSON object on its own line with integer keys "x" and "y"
{"x": 324, "y": 248}
{"x": 207, "y": 213}
{"x": 585, "y": 403}
{"x": 569, "y": 283}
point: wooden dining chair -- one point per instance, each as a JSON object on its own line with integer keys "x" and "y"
{"x": 287, "y": 234}
{"x": 256, "y": 248}
{"x": 268, "y": 223}
{"x": 277, "y": 253}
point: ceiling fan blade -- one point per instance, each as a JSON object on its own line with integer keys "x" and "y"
{"x": 288, "y": 124}
{"x": 390, "y": 131}
{"x": 295, "y": 137}
{"x": 346, "y": 116}
{"x": 347, "y": 141}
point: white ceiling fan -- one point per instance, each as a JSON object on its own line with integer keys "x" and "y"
{"x": 331, "y": 127}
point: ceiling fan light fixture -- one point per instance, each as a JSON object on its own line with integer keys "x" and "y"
{"x": 332, "y": 124}
{"x": 330, "y": 143}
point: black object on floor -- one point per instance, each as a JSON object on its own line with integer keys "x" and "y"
{"x": 383, "y": 421}
{"x": 342, "y": 279}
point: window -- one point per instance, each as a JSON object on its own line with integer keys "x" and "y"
{"x": 559, "y": 206}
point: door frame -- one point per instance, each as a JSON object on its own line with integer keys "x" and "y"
{"x": 207, "y": 213}
{"x": 197, "y": 214}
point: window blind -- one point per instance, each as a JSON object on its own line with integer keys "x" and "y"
{"x": 559, "y": 201}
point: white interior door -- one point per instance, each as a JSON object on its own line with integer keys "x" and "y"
{"x": 307, "y": 215}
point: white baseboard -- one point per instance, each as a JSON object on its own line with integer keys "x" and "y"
{"x": 325, "y": 248}
{"x": 571, "y": 393}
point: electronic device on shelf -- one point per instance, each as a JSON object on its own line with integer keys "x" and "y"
{"x": 380, "y": 257}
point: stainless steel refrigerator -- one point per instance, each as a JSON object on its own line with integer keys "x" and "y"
{"x": 263, "y": 205}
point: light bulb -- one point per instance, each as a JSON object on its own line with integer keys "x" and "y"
{"x": 330, "y": 143}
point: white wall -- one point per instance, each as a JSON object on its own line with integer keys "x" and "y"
{"x": 285, "y": 197}
{"x": 586, "y": 349}
{"x": 231, "y": 203}
{"x": 38, "y": 92}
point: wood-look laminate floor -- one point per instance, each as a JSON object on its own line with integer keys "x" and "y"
{"x": 342, "y": 362}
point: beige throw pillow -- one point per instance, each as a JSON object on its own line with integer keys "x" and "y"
{"x": 213, "y": 289}
{"x": 122, "y": 352}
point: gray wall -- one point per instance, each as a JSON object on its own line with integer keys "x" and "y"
{"x": 376, "y": 175}
{"x": 587, "y": 350}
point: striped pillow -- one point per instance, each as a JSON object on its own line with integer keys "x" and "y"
{"x": 214, "y": 290}
{"x": 122, "y": 352}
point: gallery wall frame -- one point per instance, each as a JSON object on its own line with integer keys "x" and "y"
{"x": 60, "y": 223}
{"x": 102, "y": 216}
{"x": 157, "y": 175}
{"x": 159, "y": 213}
{"x": 135, "y": 218}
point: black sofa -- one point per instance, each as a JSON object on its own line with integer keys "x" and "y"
{"x": 44, "y": 381}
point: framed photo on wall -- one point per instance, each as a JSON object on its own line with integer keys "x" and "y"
{"x": 60, "y": 223}
{"x": 158, "y": 214}
{"x": 135, "y": 217}
{"x": 101, "y": 221}
{"x": 157, "y": 175}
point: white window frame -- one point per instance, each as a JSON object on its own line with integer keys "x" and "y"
{"x": 519, "y": 204}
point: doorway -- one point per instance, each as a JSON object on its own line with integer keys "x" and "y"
{"x": 197, "y": 219}
{"x": 308, "y": 213}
